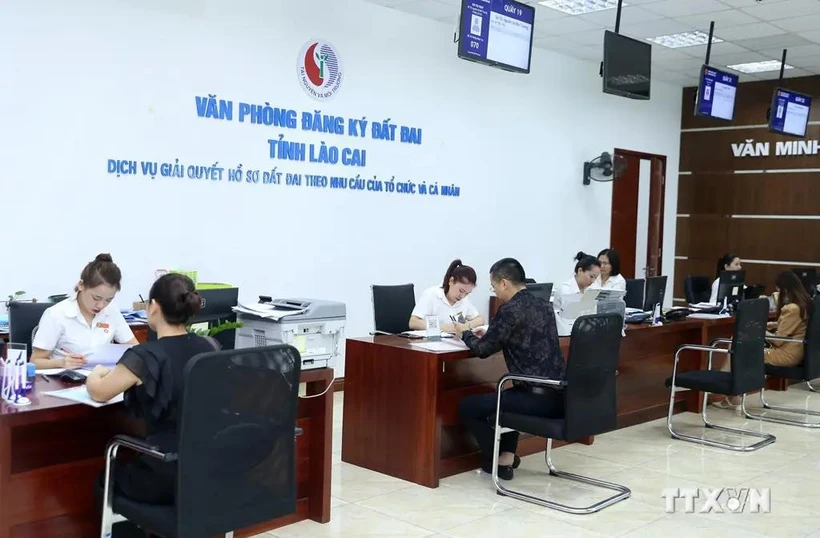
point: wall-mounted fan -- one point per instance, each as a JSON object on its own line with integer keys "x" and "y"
{"x": 604, "y": 168}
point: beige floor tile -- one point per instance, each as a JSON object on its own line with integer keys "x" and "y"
{"x": 437, "y": 509}
{"x": 693, "y": 526}
{"x": 350, "y": 483}
{"x": 517, "y": 523}
{"x": 353, "y": 521}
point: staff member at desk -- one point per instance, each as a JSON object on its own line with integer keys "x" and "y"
{"x": 727, "y": 262}
{"x": 610, "y": 277}
{"x": 524, "y": 330}
{"x": 79, "y": 324}
{"x": 449, "y": 301}
{"x": 587, "y": 270}
{"x": 151, "y": 376}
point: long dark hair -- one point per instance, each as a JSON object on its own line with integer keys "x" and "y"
{"x": 722, "y": 262}
{"x": 792, "y": 291}
{"x": 585, "y": 262}
{"x": 460, "y": 273}
{"x": 614, "y": 260}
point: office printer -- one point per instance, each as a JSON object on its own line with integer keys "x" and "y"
{"x": 314, "y": 327}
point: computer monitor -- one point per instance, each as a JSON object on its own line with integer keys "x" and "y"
{"x": 807, "y": 275}
{"x": 655, "y": 292}
{"x": 634, "y": 292}
{"x": 541, "y": 289}
{"x": 730, "y": 286}
{"x": 217, "y": 307}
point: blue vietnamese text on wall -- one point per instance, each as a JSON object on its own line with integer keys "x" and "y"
{"x": 281, "y": 149}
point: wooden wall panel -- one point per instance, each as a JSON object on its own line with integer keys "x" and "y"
{"x": 710, "y": 236}
{"x": 727, "y": 193}
{"x": 711, "y": 151}
{"x": 753, "y": 98}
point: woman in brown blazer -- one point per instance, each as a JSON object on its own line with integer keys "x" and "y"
{"x": 793, "y": 310}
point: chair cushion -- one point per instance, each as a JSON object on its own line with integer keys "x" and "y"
{"x": 787, "y": 372}
{"x": 550, "y": 428}
{"x": 157, "y": 519}
{"x": 704, "y": 381}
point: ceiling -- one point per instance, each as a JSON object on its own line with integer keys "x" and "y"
{"x": 752, "y": 31}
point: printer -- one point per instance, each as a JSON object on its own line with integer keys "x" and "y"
{"x": 314, "y": 327}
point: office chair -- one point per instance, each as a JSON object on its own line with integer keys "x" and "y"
{"x": 697, "y": 289}
{"x": 747, "y": 373}
{"x": 392, "y": 306}
{"x": 24, "y": 318}
{"x": 590, "y": 405}
{"x": 808, "y": 276}
{"x": 634, "y": 293}
{"x": 806, "y": 371}
{"x": 236, "y": 458}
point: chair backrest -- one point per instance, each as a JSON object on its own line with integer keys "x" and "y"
{"x": 634, "y": 292}
{"x": 697, "y": 289}
{"x": 392, "y": 306}
{"x": 237, "y": 456}
{"x": 590, "y": 403}
{"x": 811, "y": 356}
{"x": 24, "y": 318}
{"x": 748, "y": 343}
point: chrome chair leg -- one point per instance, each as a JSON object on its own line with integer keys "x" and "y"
{"x": 811, "y": 388}
{"x": 623, "y": 491}
{"x": 781, "y": 420}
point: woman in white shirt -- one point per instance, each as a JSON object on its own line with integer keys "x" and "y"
{"x": 74, "y": 327}
{"x": 727, "y": 262}
{"x": 587, "y": 270}
{"x": 610, "y": 278}
{"x": 449, "y": 301}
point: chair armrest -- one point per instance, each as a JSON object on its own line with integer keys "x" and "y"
{"x": 298, "y": 431}
{"x": 786, "y": 339}
{"x": 139, "y": 445}
{"x": 718, "y": 341}
{"x": 531, "y": 379}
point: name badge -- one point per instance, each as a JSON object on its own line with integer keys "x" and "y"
{"x": 103, "y": 326}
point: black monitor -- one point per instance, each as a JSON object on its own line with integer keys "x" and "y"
{"x": 634, "y": 293}
{"x": 730, "y": 286}
{"x": 655, "y": 292}
{"x": 217, "y": 307}
{"x": 543, "y": 290}
{"x": 807, "y": 275}
{"x": 627, "y": 68}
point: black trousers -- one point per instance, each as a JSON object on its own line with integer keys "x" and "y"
{"x": 477, "y": 412}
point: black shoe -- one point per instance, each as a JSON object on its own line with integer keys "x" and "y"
{"x": 505, "y": 472}
{"x": 516, "y": 462}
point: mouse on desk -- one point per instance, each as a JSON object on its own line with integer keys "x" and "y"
{"x": 70, "y": 376}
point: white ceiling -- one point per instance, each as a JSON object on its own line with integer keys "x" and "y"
{"x": 752, "y": 30}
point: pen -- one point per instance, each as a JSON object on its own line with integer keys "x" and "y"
{"x": 141, "y": 299}
{"x": 45, "y": 378}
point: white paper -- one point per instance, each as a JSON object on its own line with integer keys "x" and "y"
{"x": 266, "y": 311}
{"x": 708, "y": 316}
{"x": 80, "y": 394}
{"x": 51, "y": 371}
{"x": 107, "y": 355}
{"x": 442, "y": 346}
{"x": 423, "y": 334}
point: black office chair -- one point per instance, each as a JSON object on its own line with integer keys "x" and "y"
{"x": 236, "y": 459}
{"x": 746, "y": 375}
{"x": 392, "y": 306}
{"x": 590, "y": 405}
{"x": 697, "y": 289}
{"x": 634, "y": 292}
{"x": 806, "y": 371}
{"x": 24, "y": 318}
{"x": 529, "y": 281}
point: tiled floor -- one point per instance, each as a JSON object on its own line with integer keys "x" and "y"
{"x": 644, "y": 458}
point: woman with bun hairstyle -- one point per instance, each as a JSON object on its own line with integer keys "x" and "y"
{"x": 449, "y": 301}
{"x": 76, "y": 326}
{"x": 151, "y": 376}
{"x": 587, "y": 270}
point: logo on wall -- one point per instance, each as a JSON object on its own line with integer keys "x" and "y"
{"x": 319, "y": 70}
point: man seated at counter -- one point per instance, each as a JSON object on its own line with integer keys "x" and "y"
{"x": 524, "y": 330}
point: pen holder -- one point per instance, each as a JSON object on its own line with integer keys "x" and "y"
{"x": 139, "y": 305}
{"x": 14, "y": 379}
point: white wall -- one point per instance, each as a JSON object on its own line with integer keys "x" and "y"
{"x": 87, "y": 81}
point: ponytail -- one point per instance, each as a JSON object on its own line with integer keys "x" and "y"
{"x": 459, "y": 273}
{"x": 585, "y": 261}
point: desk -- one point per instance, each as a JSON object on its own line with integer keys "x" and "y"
{"x": 401, "y": 402}
{"x": 51, "y": 453}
